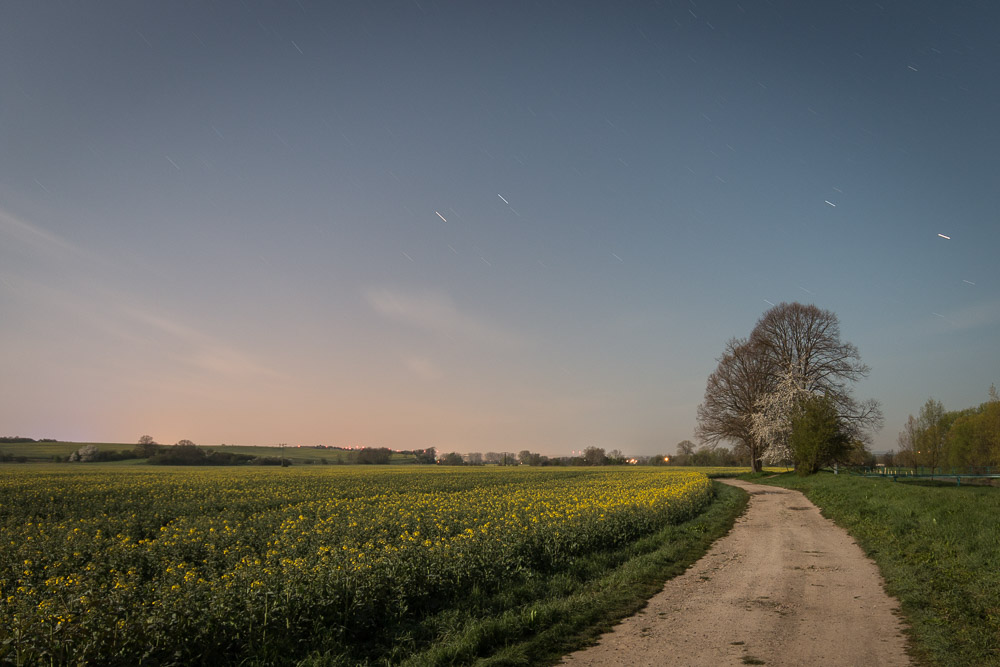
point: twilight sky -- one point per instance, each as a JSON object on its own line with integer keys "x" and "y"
{"x": 482, "y": 225}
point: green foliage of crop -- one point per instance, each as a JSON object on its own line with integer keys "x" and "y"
{"x": 336, "y": 565}
{"x": 938, "y": 548}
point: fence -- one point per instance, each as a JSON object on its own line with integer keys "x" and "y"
{"x": 920, "y": 472}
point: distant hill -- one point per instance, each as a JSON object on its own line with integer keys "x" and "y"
{"x": 39, "y": 451}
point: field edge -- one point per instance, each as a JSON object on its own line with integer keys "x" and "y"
{"x": 542, "y": 632}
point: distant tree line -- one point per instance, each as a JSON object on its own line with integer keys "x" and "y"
{"x": 370, "y": 456}
{"x": 90, "y": 453}
{"x": 706, "y": 455}
{"x": 16, "y": 439}
{"x": 184, "y": 453}
{"x": 937, "y": 437}
{"x": 590, "y": 456}
{"x": 376, "y": 456}
{"x": 6, "y": 457}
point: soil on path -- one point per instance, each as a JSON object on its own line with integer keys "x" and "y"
{"x": 785, "y": 587}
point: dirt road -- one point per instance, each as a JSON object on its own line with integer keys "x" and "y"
{"x": 785, "y": 587}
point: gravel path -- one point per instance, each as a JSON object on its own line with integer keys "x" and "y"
{"x": 785, "y": 587}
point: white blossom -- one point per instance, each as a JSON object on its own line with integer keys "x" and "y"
{"x": 771, "y": 424}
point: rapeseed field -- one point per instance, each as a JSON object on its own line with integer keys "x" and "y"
{"x": 227, "y": 565}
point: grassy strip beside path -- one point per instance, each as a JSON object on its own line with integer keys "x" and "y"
{"x": 539, "y": 621}
{"x": 938, "y": 547}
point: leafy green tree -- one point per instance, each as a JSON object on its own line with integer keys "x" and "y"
{"x": 184, "y": 452}
{"x": 372, "y": 455}
{"x": 452, "y": 459}
{"x": 146, "y": 447}
{"x": 932, "y": 434}
{"x": 425, "y": 456}
{"x": 818, "y": 436}
{"x": 973, "y": 436}
{"x": 685, "y": 450}
{"x": 965, "y": 445}
{"x": 705, "y": 456}
{"x": 528, "y": 458}
{"x": 907, "y": 441}
{"x": 967, "y": 438}
{"x": 500, "y": 458}
{"x": 990, "y": 425}
{"x": 594, "y": 456}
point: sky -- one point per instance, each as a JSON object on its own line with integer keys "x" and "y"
{"x": 482, "y": 226}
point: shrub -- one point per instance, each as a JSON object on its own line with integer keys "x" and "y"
{"x": 818, "y": 435}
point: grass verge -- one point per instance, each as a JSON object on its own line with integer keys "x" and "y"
{"x": 938, "y": 548}
{"x": 539, "y": 620}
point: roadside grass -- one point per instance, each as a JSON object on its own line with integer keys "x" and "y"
{"x": 740, "y": 472}
{"x": 938, "y": 548}
{"x": 539, "y": 620}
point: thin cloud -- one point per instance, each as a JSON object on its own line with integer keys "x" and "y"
{"x": 202, "y": 351}
{"x": 422, "y": 367}
{"x": 89, "y": 298}
{"x": 974, "y": 316}
{"x": 436, "y": 312}
{"x": 35, "y": 236}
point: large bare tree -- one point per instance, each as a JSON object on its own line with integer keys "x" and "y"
{"x": 804, "y": 341}
{"x": 748, "y": 399}
{"x": 732, "y": 394}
